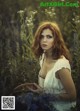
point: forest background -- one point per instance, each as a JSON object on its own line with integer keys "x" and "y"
{"x": 19, "y": 20}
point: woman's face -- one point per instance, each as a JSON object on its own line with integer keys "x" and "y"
{"x": 47, "y": 39}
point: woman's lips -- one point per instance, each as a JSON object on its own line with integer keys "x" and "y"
{"x": 44, "y": 45}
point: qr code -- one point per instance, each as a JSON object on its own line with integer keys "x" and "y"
{"x": 7, "y": 102}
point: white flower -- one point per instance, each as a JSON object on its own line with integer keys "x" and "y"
{"x": 20, "y": 11}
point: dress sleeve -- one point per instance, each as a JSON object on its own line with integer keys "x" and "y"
{"x": 63, "y": 63}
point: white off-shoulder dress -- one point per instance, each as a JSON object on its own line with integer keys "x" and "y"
{"x": 54, "y": 86}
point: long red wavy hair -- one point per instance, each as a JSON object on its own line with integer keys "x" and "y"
{"x": 59, "y": 46}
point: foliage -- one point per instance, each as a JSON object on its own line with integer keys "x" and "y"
{"x": 26, "y": 33}
{"x": 34, "y": 102}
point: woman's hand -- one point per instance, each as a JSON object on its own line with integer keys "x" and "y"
{"x": 29, "y": 87}
{"x": 34, "y": 88}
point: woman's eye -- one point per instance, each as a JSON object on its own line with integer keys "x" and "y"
{"x": 49, "y": 36}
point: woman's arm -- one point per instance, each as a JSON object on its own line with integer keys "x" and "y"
{"x": 67, "y": 81}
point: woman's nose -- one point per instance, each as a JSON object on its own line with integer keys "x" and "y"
{"x": 44, "y": 39}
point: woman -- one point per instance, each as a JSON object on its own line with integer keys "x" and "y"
{"x": 55, "y": 73}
